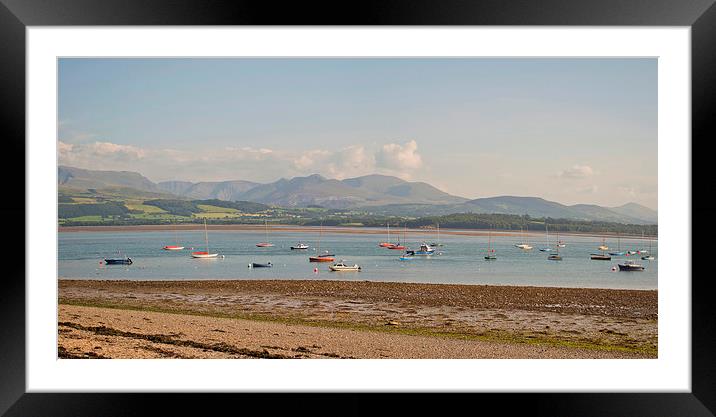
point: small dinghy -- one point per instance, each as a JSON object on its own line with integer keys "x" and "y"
{"x": 341, "y": 266}
{"x": 260, "y": 265}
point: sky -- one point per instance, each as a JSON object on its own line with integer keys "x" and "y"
{"x": 571, "y": 130}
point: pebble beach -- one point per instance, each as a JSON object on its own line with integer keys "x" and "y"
{"x": 350, "y": 319}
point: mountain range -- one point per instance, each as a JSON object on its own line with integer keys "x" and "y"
{"x": 374, "y": 193}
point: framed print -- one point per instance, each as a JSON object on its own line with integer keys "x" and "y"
{"x": 428, "y": 199}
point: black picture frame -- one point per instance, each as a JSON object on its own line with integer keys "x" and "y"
{"x": 16, "y": 15}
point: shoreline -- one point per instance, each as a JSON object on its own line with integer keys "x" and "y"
{"x": 327, "y": 230}
{"x": 449, "y": 320}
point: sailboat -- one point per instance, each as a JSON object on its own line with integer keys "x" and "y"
{"x": 387, "y": 243}
{"x": 174, "y": 247}
{"x": 523, "y": 245}
{"x": 619, "y": 248}
{"x": 555, "y": 256}
{"x": 436, "y": 244}
{"x": 325, "y": 257}
{"x": 398, "y": 246}
{"x": 490, "y": 252}
{"x": 602, "y": 256}
{"x": 205, "y": 254}
{"x": 649, "y": 256}
{"x": 604, "y": 246}
{"x": 560, "y": 243}
{"x": 546, "y": 248}
{"x": 265, "y": 244}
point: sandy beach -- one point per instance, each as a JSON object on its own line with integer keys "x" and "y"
{"x": 326, "y": 230}
{"x": 350, "y": 319}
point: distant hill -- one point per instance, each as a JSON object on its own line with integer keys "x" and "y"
{"x": 220, "y": 190}
{"x": 353, "y": 192}
{"x": 532, "y": 206}
{"x": 539, "y": 207}
{"x": 638, "y": 211}
{"x": 378, "y": 194}
{"x": 84, "y": 179}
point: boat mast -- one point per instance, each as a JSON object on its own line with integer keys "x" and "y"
{"x": 176, "y": 236}
{"x": 206, "y": 236}
{"x": 266, "y": 226}
{"x": 318, "y": 245}
{"x": 546, "y": 228}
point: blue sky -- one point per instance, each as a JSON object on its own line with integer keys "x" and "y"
{"x": 570, "y": 130}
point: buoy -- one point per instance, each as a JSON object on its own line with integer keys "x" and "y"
{"x": 614, "y": 268}
{"x": 315, "y": 270}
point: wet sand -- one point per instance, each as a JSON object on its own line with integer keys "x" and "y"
{"x": 326, "y": 230}
{"x": 351, "y": 319}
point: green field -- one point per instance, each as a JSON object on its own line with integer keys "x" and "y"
{"x": 214, "y": 209}
{"x": 144, "y": 208}
{"x": 86, "y": 219}
{"x": 84, "y": 200}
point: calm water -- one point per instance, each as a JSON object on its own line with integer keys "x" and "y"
{"x": 460, "y": 262}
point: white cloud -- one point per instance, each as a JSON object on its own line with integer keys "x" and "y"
{"x": 399, "y": 158}
{"x": 256, "y": 164}
{"x": 576, "y": 172}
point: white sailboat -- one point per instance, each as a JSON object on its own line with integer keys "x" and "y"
{"x": 523, "y": 245}
{"x": 490, "y": 252}
{"x": 546, "y": 248}
{"x": 174, "y": 247}
{"x": 265, "y": 244}
{"x": 205, "y": 254}
{"x": 436, "y": 244}
{"x": 647, "y": 254}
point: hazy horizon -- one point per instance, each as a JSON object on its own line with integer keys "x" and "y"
{"x": 575, "y": 131}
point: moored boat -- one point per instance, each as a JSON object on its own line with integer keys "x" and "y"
{"x": 630, "y": 266}
{"x": 265, "y": 244}
{"x": 325, "y": 257}
{"x": 174, "y": 247}
{"x": 299, "y": 246}
{"x": 619, "y": 251}
{"x": 523, "y": 245}
{"x": 424, "y": 250}
{"x": 118, "y": 261}
{"x": 260, "y": 265}
{"x": 398, "y": 246}
{"x": 600, "y": 257}
{"x": 491, "y": 256}
{"x": 322, "y": 258}
{"x": 387, "y": 243}
{"x": 341, "y": 266}
{"x": 546, "y": 248}
{"x": 204, "y": 254}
